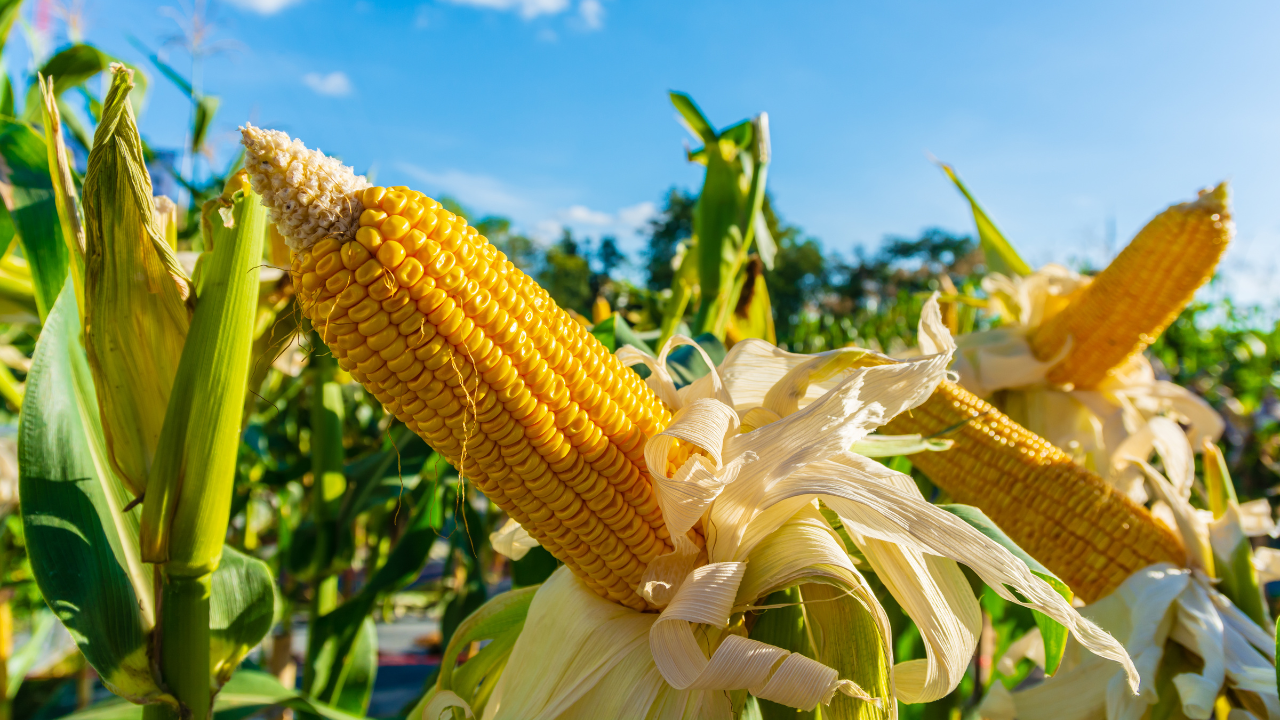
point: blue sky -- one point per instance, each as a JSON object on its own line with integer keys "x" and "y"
{"x": 1063, "y": 118}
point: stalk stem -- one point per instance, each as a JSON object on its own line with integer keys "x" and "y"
{"x": 184, "y": 653}
{"x": 159, "y": 711}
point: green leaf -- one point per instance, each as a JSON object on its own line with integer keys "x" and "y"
{"x": 335, "y": 636}
{"x": 500, "y": 620}
{"x": 1000, "y": 254}
{"x": 616, "y": 332}
{"x": 534, "y": 568}
{"x": 1054, "y": 633}
{"x": 355, "y": 682}
{"x": 687, "y": 365}
{"x": 82, "y": 546}
{"x": 241, "y": 610}
{"x": 694, "y": 120}
{"x": 8, "y": 14}
{"x": 73, "y": 66}
{"x": 165, "y": 69}
{"x": 877, "y": 446}
{"x": 43, "y": 623}
{"x": 34, "y": 210}
{"x": 206, "y": 108}
{"x": 247, "y": 689}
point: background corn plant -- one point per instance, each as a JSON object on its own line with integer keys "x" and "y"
{"x": 345, "y": 507}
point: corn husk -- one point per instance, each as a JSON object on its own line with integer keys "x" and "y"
{"x": 136, "y": 311}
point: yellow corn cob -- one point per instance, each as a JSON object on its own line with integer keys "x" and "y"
{"x": 1063, "y": 515}
{"x": 477, "y": 359}
{"x": 1134, "y": 299}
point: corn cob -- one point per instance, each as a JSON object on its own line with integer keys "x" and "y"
{"x": 1134, "y": 299}
{"x": 1063, "y": 515}
{"x": 476, "y": 358}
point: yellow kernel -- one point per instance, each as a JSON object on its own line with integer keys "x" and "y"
{"x": 382, "y": 339}
{"x": 354, "y": 255}
{"x": 395, "y": 227}
{"x": 392, "y": 253}
{"x": 328, "y": 265}
{"x": 420, "y": 288}
{"x": 401, "y": 362}
{"x": 453, "y": 279}
{"x": 404, "y": 313}
{"x": 354, "y": 293}
{"x": 413, "y": 241}
{"x": 410, "y": 272}
{"x": 397, "y": 301}
{"x": 394, "y": 201}
{"x": 370, "y": 238}
{"x": 413, "y": 212}
{"x": 372, "y": 217}
{"x": 395, "y": 349}
{"x": 368, "y": 272}
{"x": 324, "y": 247}
{"x": 338, "y": 281}
{"x": 412, "y": 324}
{"x": 371, "y": 197}
{"x": 427, "y": 223}
{"x": 383, "y": 287}
{"x": 364, "y": 310}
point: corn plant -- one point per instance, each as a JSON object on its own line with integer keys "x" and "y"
{"x": 727, "y": 220}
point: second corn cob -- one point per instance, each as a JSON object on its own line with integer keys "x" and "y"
{"x": 1134, "y": 299}
{"x": 1090, "y": 535}
{"x": 475, "y": 357}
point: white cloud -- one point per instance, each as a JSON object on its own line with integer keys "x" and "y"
{"x": 547, "y": 231}
{"x": 527, "y": 8}
{"x": 335, "y": 84}
{"x": 592, "y": 13}
{"x": 583, "y": 215}
{"x": 637, "y": 215}
{"x": 481, "y": 192}
{"x": 264, "y": 7}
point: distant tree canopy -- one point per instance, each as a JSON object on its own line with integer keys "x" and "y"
{"x": 805, "y": 279}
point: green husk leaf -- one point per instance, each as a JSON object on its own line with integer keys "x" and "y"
{"x": 846, "y": 638}
{"x": 189, "y": 488}
{"x": 1054, "y": 633}
{"x": 753, "y": 315}
{"x": 135, "y": 292}
{"x": 784, "y": 627}
{"x": 64, "y": 188}
{"x": 499, "y": 620}
{"x": 1000, "y": 253}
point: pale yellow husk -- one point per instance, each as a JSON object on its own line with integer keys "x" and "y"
{"x": 755, "y": 496}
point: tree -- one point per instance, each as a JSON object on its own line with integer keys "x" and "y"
{"x": 566, "y": 274}
{"x": 671, "y": 227}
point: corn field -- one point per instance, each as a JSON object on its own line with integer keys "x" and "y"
{"x": 253, "y": 434}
